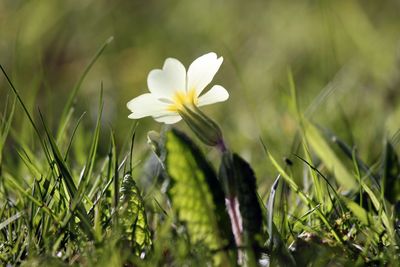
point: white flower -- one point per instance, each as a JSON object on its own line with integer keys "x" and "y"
{"x": 172, "y": 88}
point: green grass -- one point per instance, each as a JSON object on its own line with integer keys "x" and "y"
{"x": 55, "y": 211}
{"x": 314, "y": 164}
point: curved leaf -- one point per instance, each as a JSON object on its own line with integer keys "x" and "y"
{"x": 328, "y": 156}
{"x": 132, "y": 216}
{"x": 391, "y": 174}
{"x": 196, "y": 193}
{"x": 247, "y": 193}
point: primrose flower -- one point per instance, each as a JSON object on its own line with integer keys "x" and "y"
{"x": 176, "y": 94}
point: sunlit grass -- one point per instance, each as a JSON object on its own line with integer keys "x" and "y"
{"x": 80, "y": 186}
{"x": 55, "y": 211}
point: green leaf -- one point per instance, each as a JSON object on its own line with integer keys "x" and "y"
{"x": 65, "y": 116}
{"x": 303, "y": 196}
{"x": 247, "y": 194}
{"x": 91, "y": 158}
{"x": 379, "y": 204}
{"x": 196, "y": 193}
{"x": 391, "y": 174}
{"x": 358, "y": 211}
{"x": 18, "y": 95}
{"x": 5, "y": 125}
{"x": 132, "y": 216}
{"x": 279, "y": 253}
{"x": 249, "y": 207}
{"x": 9, "y": 179}
{"x": 76, "y": 206}
{"x": 350, "y": 152}
{"x": 328, "y": 156}
{"x": 9, "y": 220}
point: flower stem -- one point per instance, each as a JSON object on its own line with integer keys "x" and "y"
{"x": 221, "y": 146}
{"x": 232, "y": 205}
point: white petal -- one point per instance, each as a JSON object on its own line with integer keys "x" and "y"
{"x": 171, "y": 78}
{"x": 146, "y": 105}
{"x": 202, "y": 71}
{"x": 168, "y": 119}
{"x": 216, "y": 94}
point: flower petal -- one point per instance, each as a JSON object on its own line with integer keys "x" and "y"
{"x": 216, "y": 94}
{"x": 171, "y": 78}
{"x": 202, "y": 71}
{"x": 168, "y": 119}
{"x": 146, "y": 105}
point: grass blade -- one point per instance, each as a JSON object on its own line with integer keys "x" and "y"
{"x": 71, "y": 98}
{"x": 69, "y": 181}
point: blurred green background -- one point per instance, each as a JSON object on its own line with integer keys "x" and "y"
{"x": 344, "y": 56}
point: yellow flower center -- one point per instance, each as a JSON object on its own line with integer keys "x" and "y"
{"x": 182, "y": 98}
